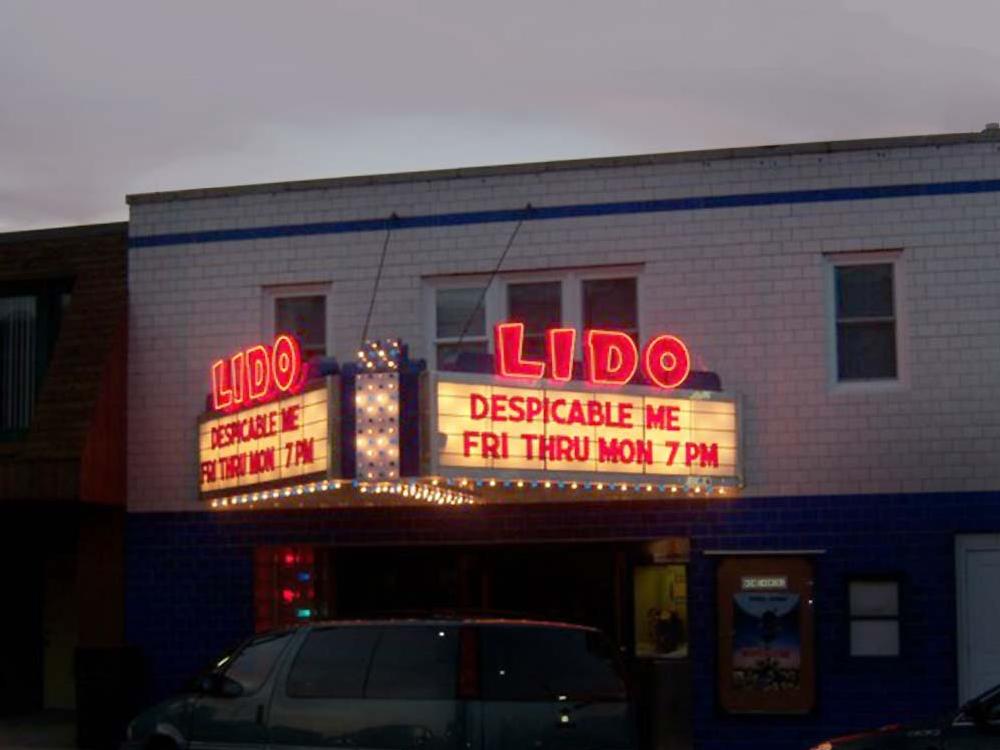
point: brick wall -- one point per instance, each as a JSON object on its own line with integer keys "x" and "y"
{"x": 190, "y": 585}
{"x": 88, "y": 358}
{"x": 744, "y": 286}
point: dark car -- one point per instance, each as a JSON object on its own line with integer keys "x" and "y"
{"x": 458, "y": 684}
{"x": 975, "y": 726}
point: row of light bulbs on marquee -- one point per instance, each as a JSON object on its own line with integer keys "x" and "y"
{"x": 449, "y": 491}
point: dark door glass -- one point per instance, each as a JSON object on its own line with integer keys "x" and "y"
{"x": 333, "y": 663}
{"x": 414, "y": 662}
{"x": 548, "y": 664}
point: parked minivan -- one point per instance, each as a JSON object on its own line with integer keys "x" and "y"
{"x": 448, "y": 684}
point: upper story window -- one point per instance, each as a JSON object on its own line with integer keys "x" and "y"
{"x": 30, "y": 315}
{"x": 303, "y": 316}
{"x": 611, "y": 304}
{"x": 537, "y": 304}
{"x": 865, "y": 310}
{"x": 461, "y": 316}
{"x": 459, "y": 321}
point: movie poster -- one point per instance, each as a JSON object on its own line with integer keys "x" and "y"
{"x": 767, "y": 644}
{"x": 767, "y": 661}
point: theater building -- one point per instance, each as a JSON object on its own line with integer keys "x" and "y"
{"x": 738, "y": 408}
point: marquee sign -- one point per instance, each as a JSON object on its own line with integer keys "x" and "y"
{"x": 623, "y": 419}
{"x": 485, "y": 427}
{"x": 268, "y": 427}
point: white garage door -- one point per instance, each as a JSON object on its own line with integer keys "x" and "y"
{"x": 978, "y": 569}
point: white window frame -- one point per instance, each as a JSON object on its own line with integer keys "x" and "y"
{"x": 271, "y": 294}
{"x": 895, "y": 619}
{"x": 896, "y": 259}
{"x": 496, "y": 300}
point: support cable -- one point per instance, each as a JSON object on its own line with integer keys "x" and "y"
{"x": 378, "y": 276}
{"x": 493, "y": 275}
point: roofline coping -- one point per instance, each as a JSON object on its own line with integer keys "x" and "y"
{"x": 673, "y": 157}
{"x": 65, "y": 233}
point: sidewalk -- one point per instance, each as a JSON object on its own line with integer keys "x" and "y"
{"x": 45, "y": 730}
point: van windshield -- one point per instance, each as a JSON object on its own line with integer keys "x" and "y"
{"x": 527, "y": 663}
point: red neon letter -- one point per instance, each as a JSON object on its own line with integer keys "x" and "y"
{"x": 509, "y": 347}
{"x": 560, "y": 343}
{"x": 665, "y": 361}
{"x": 222, "y": 392}
{"x": 237, "y": 363}
{"x": 258, "y": 371}
{"x": 286, "y": 362}
{"x": 611, "y": 357}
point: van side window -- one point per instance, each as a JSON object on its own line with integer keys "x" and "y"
{"x": 251, "y": 666}
{"x": 333, "y": 663}
{"x": 415, "y": 662}
{"x": 548, "y": 664}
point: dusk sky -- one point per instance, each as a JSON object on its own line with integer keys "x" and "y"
{"x": 99, "y": 99}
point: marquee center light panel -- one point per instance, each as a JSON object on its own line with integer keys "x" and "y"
{"x": 377, "y": 426}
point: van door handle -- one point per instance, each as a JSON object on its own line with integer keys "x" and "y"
{"x": 260, "y": 714}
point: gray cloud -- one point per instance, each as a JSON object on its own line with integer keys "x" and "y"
{"x": 99, "y": 99}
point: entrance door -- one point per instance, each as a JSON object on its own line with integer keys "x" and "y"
{"x": 978, "y": 586}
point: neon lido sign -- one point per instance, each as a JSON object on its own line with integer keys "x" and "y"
{"x": 258, "y": 374}
{"x": 609, "y": 357}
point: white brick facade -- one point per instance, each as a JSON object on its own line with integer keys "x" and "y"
{"x": 747, "y": 288}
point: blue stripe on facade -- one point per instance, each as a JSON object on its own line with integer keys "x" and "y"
{"x": 698, "y": 203}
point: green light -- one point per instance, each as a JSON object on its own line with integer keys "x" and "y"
{"x": 303, "y": 613}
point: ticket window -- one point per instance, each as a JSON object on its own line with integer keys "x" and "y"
{"x": 661, "y": 611}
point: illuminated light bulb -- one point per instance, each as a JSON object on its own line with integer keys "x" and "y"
{"x": 361, "y": 353}
{"x": 493, "y": 483}
{"x": 721, "y": 490}
{"x": 624, "y": 487}
{"x": 369, "y": 365}
{"x": 520, "y": 484}
{"x": 573, "y": 485}
{"x": 697, "y": 490}
{"x": 600, "y": 486}
{"x": 548, "y": 485}
{"x": 673, "y": 489}
{"x": 215, "y": 503}
{"x": 649, "y": 488}
{"x": 336, "y": 485}
{"x": 434, "y": 482}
